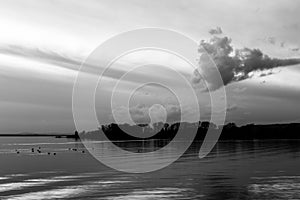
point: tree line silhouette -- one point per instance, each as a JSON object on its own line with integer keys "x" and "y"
{"x": 165, "y": 131}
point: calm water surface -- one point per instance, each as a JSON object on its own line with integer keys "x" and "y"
{"x": 233, "y": 170}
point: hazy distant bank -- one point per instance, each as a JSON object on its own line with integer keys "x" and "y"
{"x": 57, "y": 135}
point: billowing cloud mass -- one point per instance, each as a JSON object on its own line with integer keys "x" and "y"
{"x": 145, "y": 114}
{"x": 233, "y": 64}
{"x": 216, "y": 31}
{"x": 149, "y": 114}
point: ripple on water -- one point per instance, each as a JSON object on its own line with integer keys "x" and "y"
{"x": 156, "y": 193}
{"x": 62, "y": 193}
{"x": 277, "y": 187}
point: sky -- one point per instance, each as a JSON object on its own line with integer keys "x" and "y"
{"x": 43, "y": 43}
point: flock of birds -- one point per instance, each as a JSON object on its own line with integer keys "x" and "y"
{"x": 38, "y": 150}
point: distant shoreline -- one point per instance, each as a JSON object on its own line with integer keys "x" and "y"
{"x": 39, "y": 135}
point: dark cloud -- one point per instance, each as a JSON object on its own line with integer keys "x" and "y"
{"x": 231, "y": 108}
{"x": 44, "y": 55}
{"x": 216, "y": 31}
{"x": 295, "y": 49}
{"x": 59, "y": 59}
{"x": 53, "y": 57}
{"x": 234, "y": 65}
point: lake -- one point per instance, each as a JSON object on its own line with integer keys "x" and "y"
{"x": 61, "y": 168}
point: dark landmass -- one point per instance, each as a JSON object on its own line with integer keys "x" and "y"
{"x": 57, "y": 135}
{"x": 230, "y": 131}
